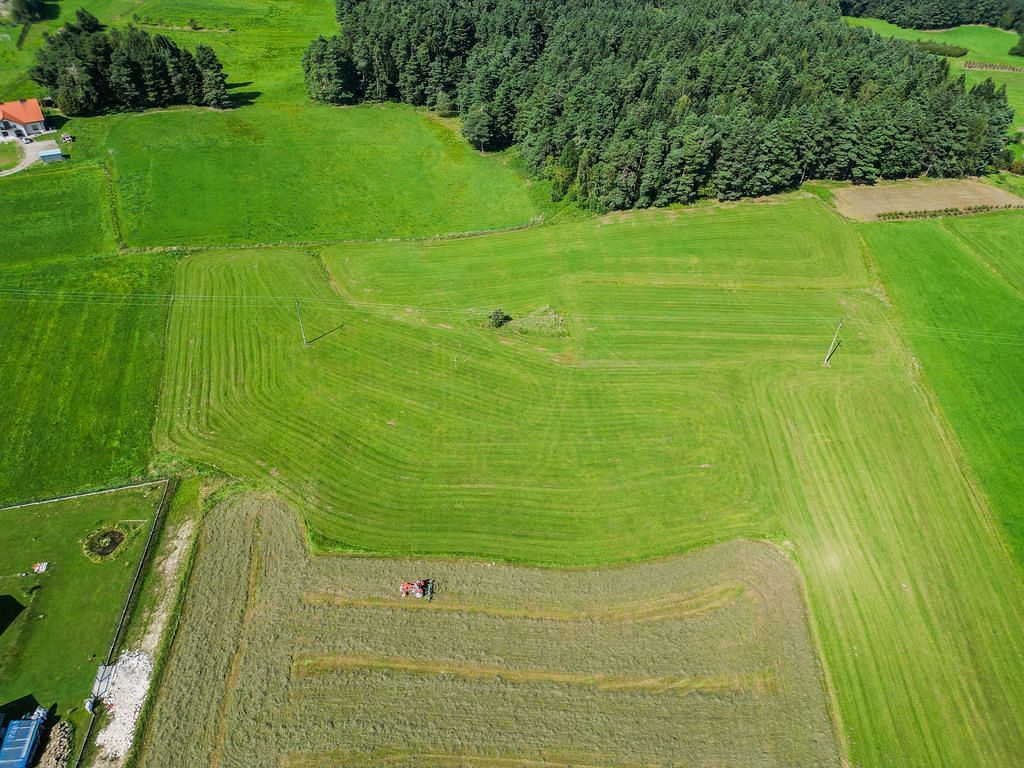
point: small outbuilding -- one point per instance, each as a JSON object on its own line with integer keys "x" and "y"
{"x": 51, "y": 156}
{"x": 20, "y": 744}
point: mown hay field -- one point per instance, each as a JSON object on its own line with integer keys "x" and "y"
{"x": 959, "y": 289}
{"x": 869, "y": 203}
{"x": 682, "y": 401}
{"x": 56, "y": 627}
{"x": 703, "y": 660}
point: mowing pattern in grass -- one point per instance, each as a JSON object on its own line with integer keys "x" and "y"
{"x": 960, "y": 289}
{"x": 687, "y": 403}
{"x": 79, "y": 368}
{"x": 64, "y": 619}
{"x": 506, "y": 664}
{"x": 442, "y": 436}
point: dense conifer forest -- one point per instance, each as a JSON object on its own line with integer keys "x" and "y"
{"x": 625, "y": 103}
{"x": 89, "y": 70}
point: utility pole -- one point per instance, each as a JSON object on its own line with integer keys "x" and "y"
{"x": 301, "y": 329}
{"x": 834, "y": 345}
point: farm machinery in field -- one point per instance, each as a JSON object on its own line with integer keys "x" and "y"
{"x": 421, "y": 588}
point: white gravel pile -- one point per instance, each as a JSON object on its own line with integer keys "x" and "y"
{"x": 123, "y": 702}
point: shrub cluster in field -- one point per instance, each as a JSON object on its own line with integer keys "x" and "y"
{"x": 950, "y": 211}
{"x": 506, "y": 662}
{"x": 942, "y": 49}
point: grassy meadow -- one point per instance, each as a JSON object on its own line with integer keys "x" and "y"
{"x": 660, "y": 389}
{"x": 9, "y": 155}
{"x": 61, "y": 623}
{"x": 80, "y": 365}
{"x": 506, "y": 666}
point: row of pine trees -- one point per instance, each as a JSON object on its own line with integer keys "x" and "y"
{"x": 89, "y": 70}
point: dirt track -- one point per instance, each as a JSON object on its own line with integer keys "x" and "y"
{"x": 864, "y": 203}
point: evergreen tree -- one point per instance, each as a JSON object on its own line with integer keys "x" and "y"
{"x": 26, "y": 11}
{"x": 623, "y": 103}
{"x": 330, "y": 73}
{"x": 477, "y": 125}
{"x": 214, "y": 81}
{"x": 90, "y": 70}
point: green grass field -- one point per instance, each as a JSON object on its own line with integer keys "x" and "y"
{"x": 959, "y": 287}
{"x": 271, "y": 173}
{"x": 984, "y": 44}
{"x": 80, "y": 366}
{"x": 686, "y": 404}
{"x": 9, "y": 155}
{"x": 661, "y": 387}
{"x": 276, "y": 169}
{"x": 64, "y": 619}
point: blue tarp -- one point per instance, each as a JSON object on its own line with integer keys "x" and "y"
{"x": 20, "y": 742}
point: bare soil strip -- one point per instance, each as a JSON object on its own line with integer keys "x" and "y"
{"x": 866, "y": 203}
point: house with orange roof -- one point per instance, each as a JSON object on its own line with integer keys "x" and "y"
{"x": 21, "y": 118}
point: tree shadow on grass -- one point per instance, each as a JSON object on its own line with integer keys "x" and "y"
{"x": 244, "y": 98}
{"x": 18, "y": 708}
{"x": 49, "y": 11}
{"x": 10, "y": 609}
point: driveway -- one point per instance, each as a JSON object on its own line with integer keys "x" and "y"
{"x": 29, "y": 154}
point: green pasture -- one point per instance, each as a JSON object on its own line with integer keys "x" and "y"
{"x": 271, "y": 173}
{"x": 9, "y": 155}
{"x": 685, "y": 402}
{"x": 984, "y": 44}
{"x": 56, "y": 627}
{"x": 51, "y": 213}
{"x": 276, "y": 168}
{"x": 79, "y": 365}
{"x": 959, "y": 289}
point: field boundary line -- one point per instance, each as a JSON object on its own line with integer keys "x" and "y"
{"x": 83, "y": 495}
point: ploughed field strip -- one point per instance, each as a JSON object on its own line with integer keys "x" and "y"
{"x": 868, "y": 203}
{"x": 506, "y": 666}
